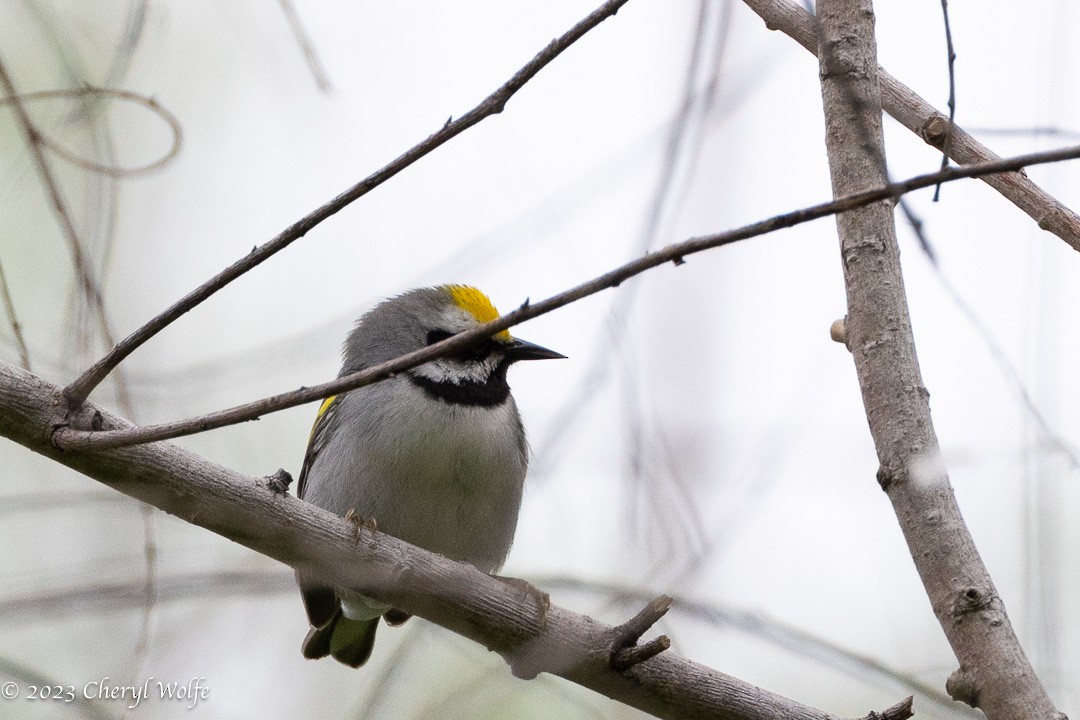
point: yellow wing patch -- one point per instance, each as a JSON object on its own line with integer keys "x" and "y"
{"x": 322, "y": 411}
{"x": 476, "y": 304}
{"x": 319, "y": 434}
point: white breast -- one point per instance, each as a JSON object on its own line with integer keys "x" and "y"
{"x": 442, "y": 476}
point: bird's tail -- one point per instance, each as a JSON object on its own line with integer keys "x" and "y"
{"x": 348, "y": 641}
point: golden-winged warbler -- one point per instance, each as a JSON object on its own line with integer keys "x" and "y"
{"x": 435, "y": 455}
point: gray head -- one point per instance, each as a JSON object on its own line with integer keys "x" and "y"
{"x": 425, "y": 316}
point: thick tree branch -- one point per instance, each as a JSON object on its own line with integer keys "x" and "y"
{"x": 455, "y": 595}
{"x": 923, "y": 119}
{"x": 70, "y": 435}
{"x": 994, "y": 673}
{"x": 80, "y": 389}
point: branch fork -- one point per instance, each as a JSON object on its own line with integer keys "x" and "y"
{"x": 625, "y": 652}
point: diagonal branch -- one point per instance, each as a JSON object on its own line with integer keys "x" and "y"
{"x": 921, "y": 118}
{"x": 452, "y": 594}
{"x": 80, "y": 389}
{"x": 994, "y": 673}
{"x": 318, "y": 73}
{"x": 71, "y": 436}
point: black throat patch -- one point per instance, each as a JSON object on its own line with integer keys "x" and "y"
{"x": 489, "y": 393}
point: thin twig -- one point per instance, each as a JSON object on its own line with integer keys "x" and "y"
{"x": 129, "y": 42}
{"x": 306, "y": 46}
{"x": 16, "y": 328}
{"x": 915, "y": 221}
{"x": 631, "y": 631}
{"x": 952, "y": 93}
{"x": 625, "y": 652}
{"x": 493, "y": 104}
{"x": 625, "y": 658}
{"x": 1054, "y": 440}
{"x": 69, "y": 438}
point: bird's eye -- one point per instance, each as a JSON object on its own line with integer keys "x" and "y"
{"x": 435, "y": 336}
{"x": 475, "y": 353}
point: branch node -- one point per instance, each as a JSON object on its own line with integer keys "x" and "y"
{"x": 623, "y": 660}
{"x": 885, "y": 478}
{"x": 900, "y": 711}
{"x": 279, "y": 482}
{"x": 935, "y": 130}
{"x": 970, "y": 600}
{"x": 963, "y": 686}
{"x": 838, "y": 332}
{"x": 77, "y": 419}
{"x": 56, "y": 429}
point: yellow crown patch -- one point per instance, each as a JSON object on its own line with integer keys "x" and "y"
{"x": 476, "y": 304}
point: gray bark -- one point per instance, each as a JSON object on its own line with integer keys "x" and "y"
{"x": 994, "y": 673}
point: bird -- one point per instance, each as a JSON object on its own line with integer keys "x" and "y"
{"x": 435, "y": 455}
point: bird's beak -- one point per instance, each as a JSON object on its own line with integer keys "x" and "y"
{"x": 524, "y": 350}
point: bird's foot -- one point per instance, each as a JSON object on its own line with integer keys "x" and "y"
{"x": 361, "y": 523}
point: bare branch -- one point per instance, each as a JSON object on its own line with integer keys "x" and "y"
{"x": 455, "y": 595}
{"x": 70, "y": 436}
{"x": 921, "y": 118}
{"x": 952, "y": 91}
{"x": 80, "y": 389}
{"x": 994, "y": 673}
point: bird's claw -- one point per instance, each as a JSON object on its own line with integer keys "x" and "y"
{"x": 361, "y": 523}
